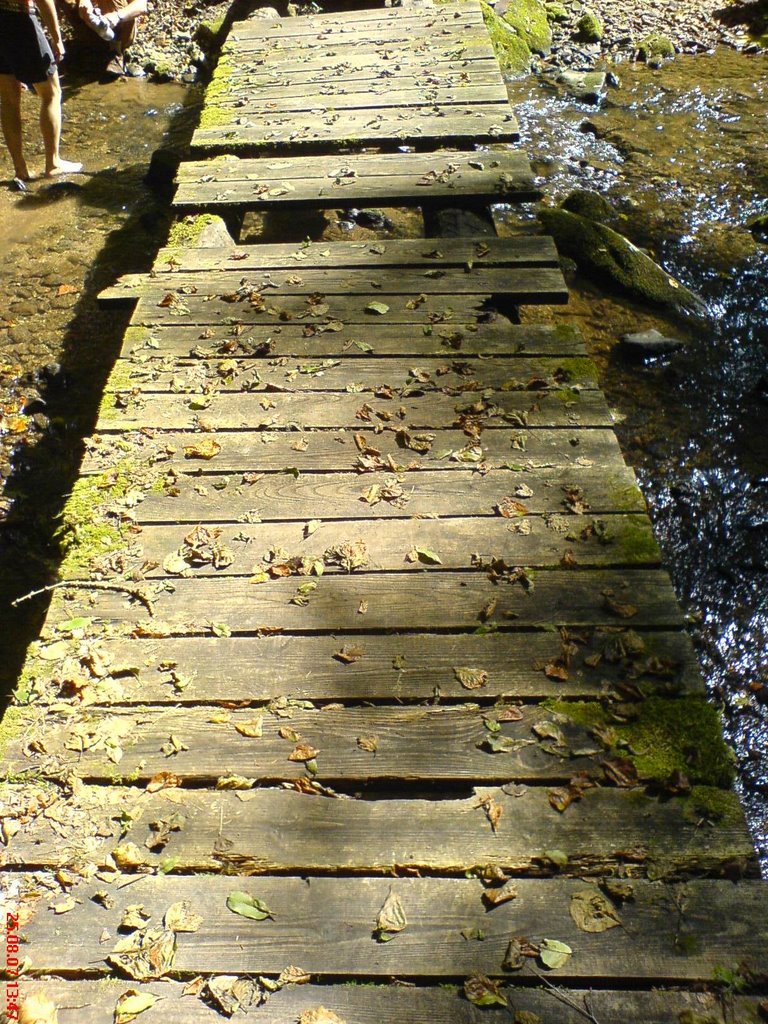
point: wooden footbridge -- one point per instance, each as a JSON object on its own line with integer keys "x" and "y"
{"x": 364, "y": 697}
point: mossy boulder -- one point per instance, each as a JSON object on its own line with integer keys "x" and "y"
{"x": 528, "y": 18}
{"x": 759, "y": 227}
{"x": 606, "y": 255}
{"x": 655, "y": 48}
{"x": 512, "y": 52}
{"x": 589, "y": 204}
{"x": 556, "y": 12}
{"x": 589, "y": 27}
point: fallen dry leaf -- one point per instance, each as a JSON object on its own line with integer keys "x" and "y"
{"x": 38, "y": 1009}
{"x": 131, "y": 1003}
{"x": 391, "y": 919}
{"x": 592, "y": 912}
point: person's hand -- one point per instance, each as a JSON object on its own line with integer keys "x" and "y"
{"x": 112, "y": 19}
{"x": 58, "y": 50}
{"x": 84, "y": 9}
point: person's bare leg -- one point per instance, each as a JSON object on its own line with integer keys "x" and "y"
{"x": 49, "y": 92}
{"x": 10, "y": 118}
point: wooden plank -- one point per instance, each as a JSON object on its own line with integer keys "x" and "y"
{"x": 460, "y": 36}
{"x": 411, "y": 37}
{"x": 288, "y": 451}
{"x": 326, "y": 91}
{"x": 390, "y": 545}
{"x": 444, "y": 163}
{"x": 414, "y": 745}
{"x": 282, "y": 496}
{"x": 328, "y": 923}
{"x": 294, "y": 339}
{"x": 247, "y": 411}
{"x": 472, "y": 125}
{"x": 395, "y": 377}
{"x": 305, "y": 667}
{"x": 446, "y": 71}
{"x": 368, "y": 22}
{"x": 436, "y": 313}
{"x": 254, "y": 104}
{"x": 439, "y": 601}
{"x": 92, "y": 1002}
{"x": 226, "y": 831}
{"x": 384, "y": 178}
{"x": 521, "y": 283}
{"x": 530, "y": 250}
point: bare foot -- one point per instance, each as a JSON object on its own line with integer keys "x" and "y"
{"x": 63, "y": 167}
{"x": 23, "y": 173}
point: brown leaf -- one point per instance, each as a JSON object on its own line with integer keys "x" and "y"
{"x": 555, "y": 671}
{"x": 37, "y": 1008}
{"x": 509, "y": 508}
{"x": 500, "y": 894}
{"x": 368, "y": 743}
{"x": 480, "y": 990}
{"x": 205, "y": 448}
{"x": 163, "y": 780}
{"x": 592, "y": 912}
{"x": 319, "y": 1015}
{"x": 145, "y": 955}
{"x": 620, "y": 771}
{"x": 349, "y": 654}
{"x": 303, "y": 752}
{"x": 618, "y": 608}
{"x": 471, "y": 678}
{"x": 391, "y": 918}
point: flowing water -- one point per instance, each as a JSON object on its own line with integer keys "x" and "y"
{"x": 682, "y": 153}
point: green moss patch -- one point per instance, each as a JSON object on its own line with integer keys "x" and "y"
{"x": 85, "y": 533}
{"x": 666, "y": 736}
{"x": 655, "y": 47}
{"x": 529, "y": 20}
{"x": 186, "y": 232}
{"x": 589, "y": 28}
{"x": 511, "y": 51}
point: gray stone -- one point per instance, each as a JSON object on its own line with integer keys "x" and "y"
{"x": 587, "y": 86}
{"x": 650, "y": 343}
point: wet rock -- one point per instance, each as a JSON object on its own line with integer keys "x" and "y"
{"x": 589, "y": 27}
{"x": 759, "y": 227}
{"x": 589, "y": 204}
{"x": 655, "y": 48}
{"x": 606, "y": 255}
{"x": 642, "y": 344}
{"x": 587, "y": 86}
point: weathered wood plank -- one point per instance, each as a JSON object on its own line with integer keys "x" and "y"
{"x": 472, "y": 125}
{"x": 283, "y": 496}
{"x": 392, "y": 545}
{"x": 436, "y": 313}
{"x": 520, "y": 284}
{"x": 456, "y": 39}
{"x": 290, "y": 451}
{"x": 225, "y": 831}
{"x": 263, "y": 412}
{"x": 532, "y": 250}
{"x": 413, "y": 745}
{"x": 403, "y": 189}
{"x": 446, "y": 70}
{"x": 674, "y": 933}
{"x": 370, "y": 23}
{"x": 452, "y": 340}
{"x": 482, "y": 85}
{"x": 397, "y": 377}
{"x": 255, "y": 104}
{"x": 406, "y": 669}
{"x": 439, "y": 601}
{"x": 93, "y": 1002}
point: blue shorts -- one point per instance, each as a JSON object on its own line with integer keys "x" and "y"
{"x": 25, "y": 51}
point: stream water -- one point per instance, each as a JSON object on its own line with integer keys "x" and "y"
{"x": 682, "y": 153}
